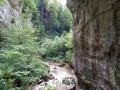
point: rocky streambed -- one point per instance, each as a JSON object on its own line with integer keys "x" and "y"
{"x": 61, "y": 78}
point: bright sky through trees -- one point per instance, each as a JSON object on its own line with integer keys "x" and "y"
{"x": 62, "y": 1}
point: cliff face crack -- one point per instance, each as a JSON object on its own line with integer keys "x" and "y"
{"x": 103, "y": 12}
{"x": 96, "y": 30}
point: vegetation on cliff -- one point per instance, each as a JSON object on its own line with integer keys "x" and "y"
{"x": 48, "y": 36}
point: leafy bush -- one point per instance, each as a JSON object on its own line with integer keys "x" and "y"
{"x": 57, "y": 49}
{"x": 40, "y": 29}
{"x": 20, "y": 39}
{"x": 19, "y": 63}
{"x": 2, "y": 2}
{"x": 29, "y": 6}
{"x": 17, "y": 71}
{"x": 53, "y": 47}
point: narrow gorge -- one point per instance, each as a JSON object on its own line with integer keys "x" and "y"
{"x": 37, "y": 47}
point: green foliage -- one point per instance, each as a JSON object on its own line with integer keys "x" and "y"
{"x": 21, "y": 45}
{"x": 48, "y": 87}
{"x": 21, "y": 39}
{"x": 2, "y": 2}
{"x": 53, "y": 8}
{"x": 53, "y": 45}
{"x": 57, "y": 49}
{"x": 19, "y": 62}
{"x": 29, "y": 6}
{"x": 16, "y": 70}
{"x": 68, "y": 38}
{"x": 65, "y": 18}
{"x": 58, "y": 19}
{"x": 40, "y": 30}
{"x": 55, "y": 17}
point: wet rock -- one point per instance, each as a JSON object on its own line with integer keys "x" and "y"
{"x": 66, "y": 82}
{"x": 74, "y": 88}
{"x": 56, "y": 82}
{"x": 73, "y": 81}
{"x": 61, "y": 65}
{"x": 51, "y": 77}
{"x": 54, "y": 68}
{"x": 61, "y": 78}
{"x": 45, "y": 78}
{"x": 46, "y": 84}
{"x": 40, "y": 81}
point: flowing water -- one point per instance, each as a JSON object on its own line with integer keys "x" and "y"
{"x": 62, "y": 78}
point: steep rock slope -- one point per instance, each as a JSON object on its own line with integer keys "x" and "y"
{"x": 96, "y": 27}
{"x": 10, "y": 12}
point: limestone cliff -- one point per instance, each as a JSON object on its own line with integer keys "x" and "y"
{"x": 96, "y": 27}
{"x": 10, "y": 12}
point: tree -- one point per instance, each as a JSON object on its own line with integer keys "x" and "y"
{"x": 55, "y": 16}
{"x": 29, "y": 6}
{"x": 52, "y": 7}
{"x": 65, "y": 18}
{"x": 19, "y": 62}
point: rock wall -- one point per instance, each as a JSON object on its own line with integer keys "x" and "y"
{"x": 96, "y": 27}
{"x": 10, "y": 12}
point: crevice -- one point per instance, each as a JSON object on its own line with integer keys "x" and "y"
{"x": 102, "y": 13}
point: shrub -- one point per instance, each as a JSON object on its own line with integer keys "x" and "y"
{"x": 53, "y": 47}
{"x": 20, "y": 39}
{"x": 29, "y": 6}
{"x": 17, "y": 71}
{"x": 19, "y": 63}
{"x": 57, "y": 49}
{"x": 2, "y": 2}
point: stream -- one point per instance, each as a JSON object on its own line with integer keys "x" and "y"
{"x": 62, "y": 78}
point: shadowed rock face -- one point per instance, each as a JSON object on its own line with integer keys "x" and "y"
{"x": 96, "y": 27}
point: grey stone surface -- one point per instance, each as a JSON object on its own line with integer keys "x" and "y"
{"x": 96, "y": 27}
{"x": 10, "y": 12}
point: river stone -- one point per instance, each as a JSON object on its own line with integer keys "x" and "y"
{"x": 66, "y": 81}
